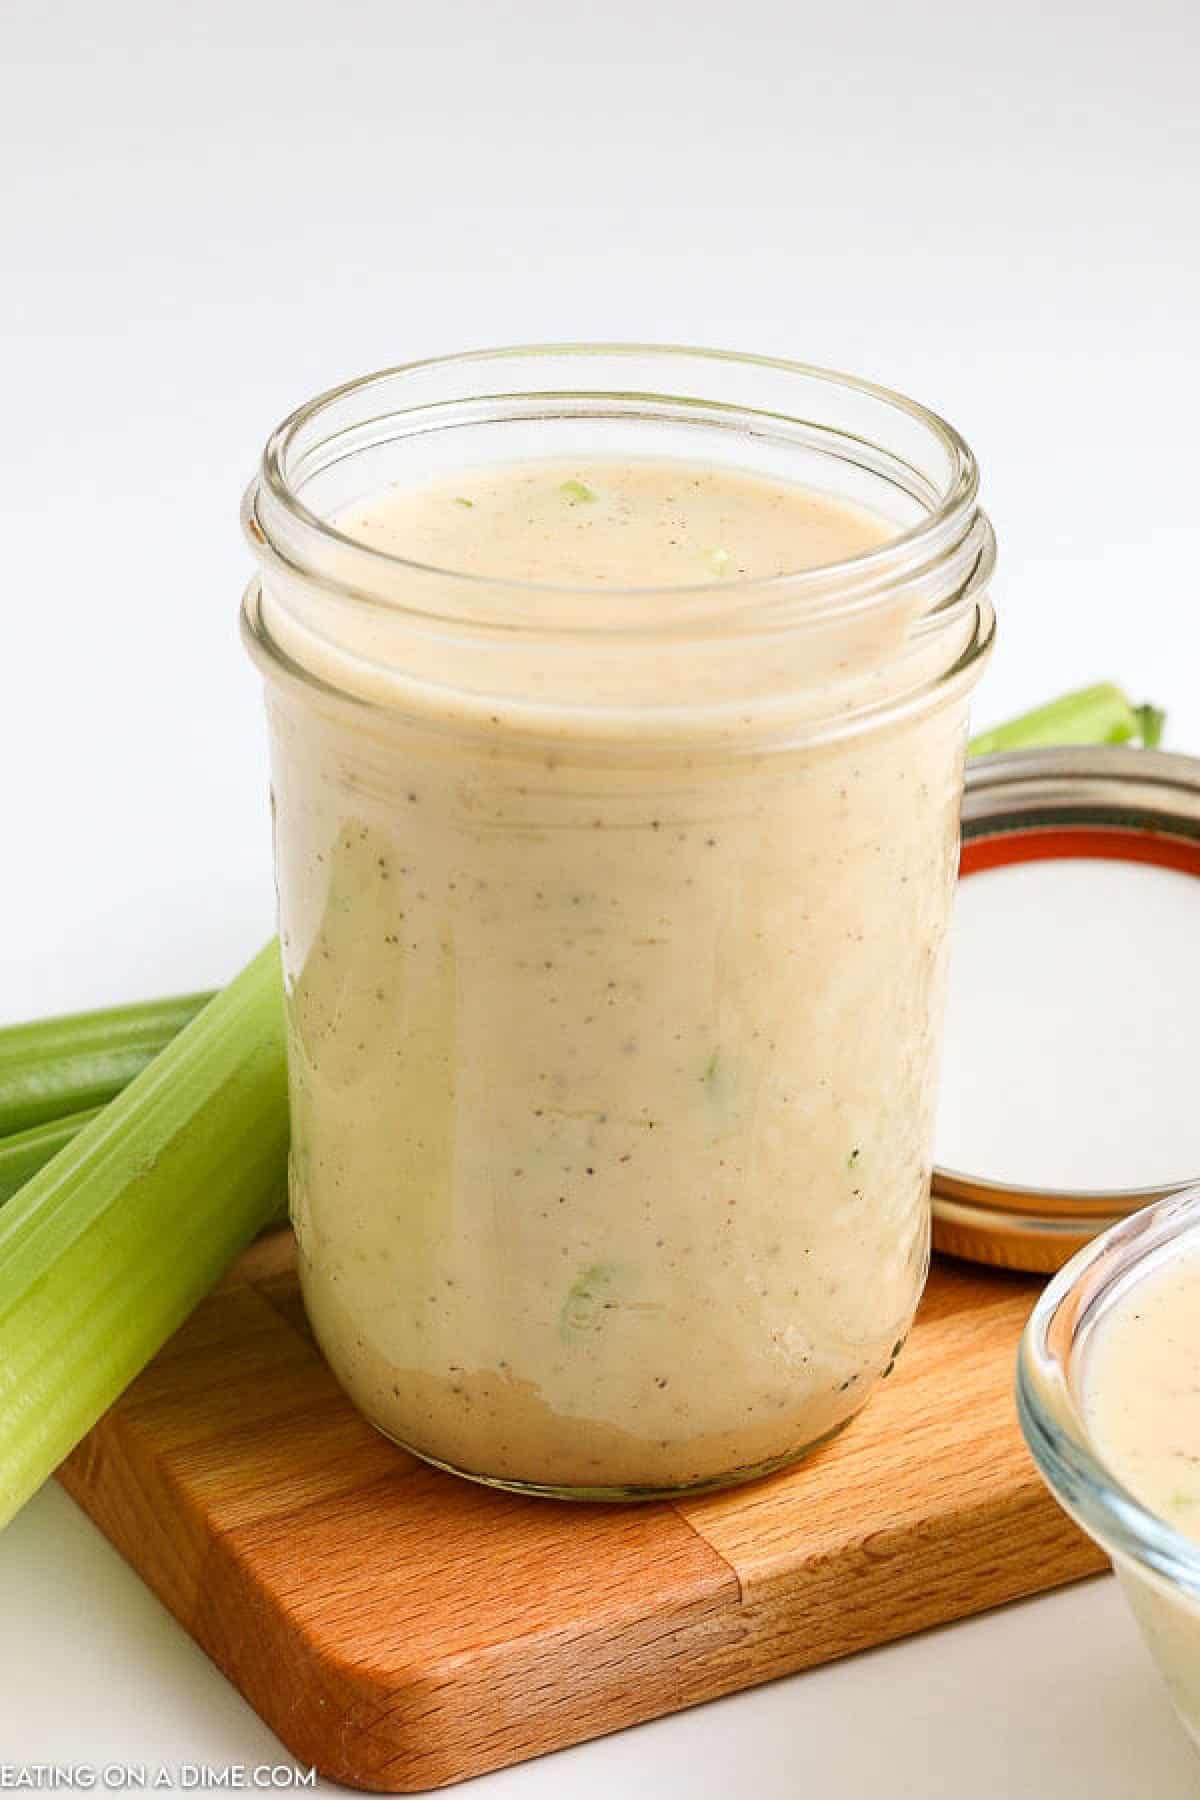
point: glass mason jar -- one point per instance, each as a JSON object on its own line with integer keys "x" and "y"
{"x": 614, "y": 923}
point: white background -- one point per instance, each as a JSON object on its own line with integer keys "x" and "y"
{"x": 212, "y": 211}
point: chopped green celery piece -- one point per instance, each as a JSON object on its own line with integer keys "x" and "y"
{"x": 461, "y": 500}
{"x": 720, "y": 560}
{"x": 1093, "y": 715}
{"x": 23, "y": 1152}
{"x": 108, "y": 1248}
{"x": 52, "y": 1067}
{"x": 576, "y": 490}
{"x": 587, "y": 1298}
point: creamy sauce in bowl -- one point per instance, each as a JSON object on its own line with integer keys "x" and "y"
{"x": 1141, "y": 1392}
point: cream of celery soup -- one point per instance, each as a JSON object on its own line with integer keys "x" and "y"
{"x": 612, "y": 1076}
{"x": 1142, "y": 1392}
{"x": 1141, "y": 1405}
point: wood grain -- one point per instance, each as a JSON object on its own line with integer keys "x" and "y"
{"x": 401, "y": 1629}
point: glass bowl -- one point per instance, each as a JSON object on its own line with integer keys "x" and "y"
{"x": 1159, "y": 1569}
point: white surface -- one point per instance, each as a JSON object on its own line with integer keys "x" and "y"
{"x": 1073, "y": 1026}
{"x": 209, "y": 213}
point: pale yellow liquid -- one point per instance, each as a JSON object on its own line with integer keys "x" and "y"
{"x": 627, "y": 525}
{"x": 1142, "y": 1393}
{"x": 1141, "y": 1402}
{"x": 611, "y": 1078}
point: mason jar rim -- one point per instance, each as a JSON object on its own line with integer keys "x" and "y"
{"x": 944, "y": 527}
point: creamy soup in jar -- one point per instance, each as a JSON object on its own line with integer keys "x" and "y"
{"x": 612, "y": 1074}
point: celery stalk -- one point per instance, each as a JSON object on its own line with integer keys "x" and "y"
{"x": 1093, "y": 715}
{"x": 23, "y": 1153}
{"x": 52, "y": 1067}
{"x": 107, "y": 1249}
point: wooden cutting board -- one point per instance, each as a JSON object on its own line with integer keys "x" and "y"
{"x": 401, "y": 1629}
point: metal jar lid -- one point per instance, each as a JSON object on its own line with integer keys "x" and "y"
{"x": 1032, "y": 805}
